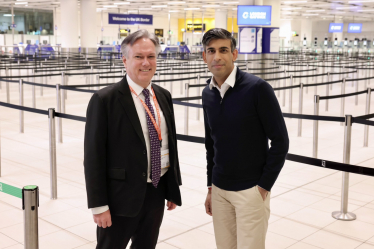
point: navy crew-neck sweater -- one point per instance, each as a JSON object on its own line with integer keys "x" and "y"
{"x": 237, "y": 130}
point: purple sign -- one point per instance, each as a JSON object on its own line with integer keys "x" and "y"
{"x": 130, "y": 19}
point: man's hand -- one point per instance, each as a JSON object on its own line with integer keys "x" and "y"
{"x": 103, "y": 220}
{"x": 263, "y": 192}
{"x": 171, "y": 206}
{"x": 208, "y": 203}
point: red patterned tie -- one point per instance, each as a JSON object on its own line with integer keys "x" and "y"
{"x": 155, "y": 143}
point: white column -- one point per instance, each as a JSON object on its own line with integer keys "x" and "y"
{"x": 221, "y": 19}
{"x": 338, "y": 35}
{"x": 69, "y": 23}
{"x": 275, "y": 12}
{"x": 306, "y": 30}
{"x": 88, "y": 24}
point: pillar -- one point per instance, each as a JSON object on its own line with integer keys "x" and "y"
{"x": 221, "y": 19}
{"x": 306, "y": 31}
{"x": 69, "y": 23}
{"x": 337, "y": 35}
{"x": 88, "y": 25}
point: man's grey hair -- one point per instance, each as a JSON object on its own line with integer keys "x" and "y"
{"x": 131, "y": 39}
{"x": 217, "y": 33}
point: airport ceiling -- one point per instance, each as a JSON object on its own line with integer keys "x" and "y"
{"x": 348, "y": 10}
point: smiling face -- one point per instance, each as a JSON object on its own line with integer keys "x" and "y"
{"x": 220, "y": 59}
{"x": 141, "y": 62}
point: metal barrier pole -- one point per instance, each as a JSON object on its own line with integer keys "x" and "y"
{"x": 42, "y": 81}
{"x": 98, "y": 81}
{"x": 58, "y": 106}
{"x": 52, "y": 153}
{"x": 62, "y": 99}
{"x": 356, "y": 88}
{"x": 315, "y": 126}
{"x": 171, "y": 82}
{"x": 33, "y": 90}
{"x": 0, "y": 153}
{"x": 30, "y": 204}
{"x": 7, "y": 85}
{"x": 21, "y": 116}
{"x": 367, "y": 111}
{"x": 246, "y": 66}
{"x": 186, "y": 86}
{"x": 158, "y": 77}
{"x": 284, "y": 91}
{"x": 342, "y": 101}
{"x": 198, "y": 94}
{"x": 290, "y": 93}
{"x": 301, "y": 89}
{"x": 343, "y": 214}
{"x": 327, "y": 92}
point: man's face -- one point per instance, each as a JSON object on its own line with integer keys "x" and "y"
{"x": 219, "y": 57}
{"x": 141, "y": 62}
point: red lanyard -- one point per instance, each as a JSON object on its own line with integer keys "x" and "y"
{"x": 158, "y": 128}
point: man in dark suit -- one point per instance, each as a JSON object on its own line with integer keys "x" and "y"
{"x": 130, "y": 152}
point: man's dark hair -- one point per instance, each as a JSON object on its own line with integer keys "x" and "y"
{"x": 217, "y": 33}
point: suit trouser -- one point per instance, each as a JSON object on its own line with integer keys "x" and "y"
{"x": 143, "y": 229}
{"x": 240, "y": 218}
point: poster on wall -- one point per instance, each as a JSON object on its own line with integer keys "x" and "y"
{"x": 270, "y": 40}
{"x": 131, "y": 19}
{"x": 250, "y": 40}
{"x": 159, "y": 32}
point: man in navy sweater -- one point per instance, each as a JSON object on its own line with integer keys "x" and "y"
{"x": 241, "y": 113}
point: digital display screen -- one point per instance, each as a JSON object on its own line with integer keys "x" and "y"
{"x": 254, "y": 15}
{"x": 355, "y": 28}
{"x": 335, "y": 43}
{"x": 345, "y": 43}
{"x": 336, "y": 27}
{"x": 365, "y": 42}
{"x": 325, "y": 43}
{"x": 355, "y": 43}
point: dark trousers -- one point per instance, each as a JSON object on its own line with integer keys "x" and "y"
{"x": 143, "y": 229}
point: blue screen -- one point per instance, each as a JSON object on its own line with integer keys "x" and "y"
{"x": 354, "y": 28}
{"x": 254, "y": 15}
{"x": 336, "y": 27}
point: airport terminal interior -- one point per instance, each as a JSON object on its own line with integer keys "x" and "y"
{"x": 316, "y": 54}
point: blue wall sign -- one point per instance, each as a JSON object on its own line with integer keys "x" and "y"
{"x": 336, "y": 27}
{"x": 130, "y": 19}
{"x": 270, "y": 40}
{"x": 254, "y": 15}
{"x": 354, "y": 28}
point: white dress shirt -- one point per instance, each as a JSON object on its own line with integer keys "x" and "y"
{"x": 229, "y": 82}
{"x": 143, "y": 122}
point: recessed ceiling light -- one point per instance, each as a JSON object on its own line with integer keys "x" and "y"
{"x": 310, "y": 14}
{"x": 292, "y": 8}
{"x": 171, "y": 11}
{"x": 176, "y": 2}
{"x": 365, "y": 10}
{"x": 208, "y": 6}
{"x": 145, "y": 8}
{"x": 349, "y": 7}
{"x": 122, "y": 3}
{"x": 363, "y": 1}
{"x": 133, "y": 11}
{"x": 315, "y": 10}
{"x": 191, "y": 8}
{"x": 110, "y": 6}
{"x": 8, "y": 15}
{"x": 230, "y": 2}
{"x": 294, "y": 2}
{"x": 21, "y": 3}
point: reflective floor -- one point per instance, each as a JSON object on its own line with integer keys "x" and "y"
{"x": 303, "y": 197}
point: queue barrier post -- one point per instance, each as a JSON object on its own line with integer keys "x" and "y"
{"x": 315, "y": 126}
{"x": 356, "y": 88}
{"x": 367, "y": 111}
{"x": 33, "y": 90}
{"x": 327, "y": 91}
{"x": 171, "y": 82}
{"x": 41, "y": 88}
{"x": 62, "y": 91}
{"x": 7, "y": 86}
{"x": 97, "y": 81}
{"x": 52, "y": 153}
{"x": 284, "y": 91}
{"x": 0, "y": 153}
{"x": 158, "y": 76}
{"x": 30, "y": 204}
{"x": 58, "y": 106}
{"x": 186, "y": 86}
{"x": 198, "y": 94}
{"x": 343, "y": 214}
{"x": 299, "y": 127}
{"x": 290, "y": 93}
{"x": 21, "y": 116}
{"x": 342, "y": 101}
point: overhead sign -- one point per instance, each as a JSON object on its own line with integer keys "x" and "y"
{"x": 254, "y": 15}
{"x": 196, "y": 27}
{"x": 131, "y": 19}
{"x": 250, "y": 40}
{"x": 336, "y": 27}
{"x": 354, "y": 28}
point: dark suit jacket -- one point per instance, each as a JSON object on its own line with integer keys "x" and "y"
{"x": 115, "y": 156}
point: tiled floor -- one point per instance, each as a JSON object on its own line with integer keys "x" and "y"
{"x": 302, "y": 198}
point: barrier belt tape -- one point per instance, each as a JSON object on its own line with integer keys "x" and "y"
{"x": 10, "y": 190}
{"x": 69, "y": 116}
{"x": 362, "y": 121}
{"x": 359, "y": 79}
{"x": 343, "y": 72}
{"x": 24, "y": 108}
{"x": 187, "y": 104}
{"x": 274, "y": 79}
{"x": 297, "y": 71}
{"x": 77, "y": 89}
{"x": 1, "y": 79}
{"x": 286, "y": 87}
{"x": 70, "y": 86}
{"x": 324, "y": 83}
{"x": 200, "y": 85}
{"x": 368, "y": 116}
{"x": 306, "y": 76}
{"x": 188, "y": 98}
{"x": 29, "y": 76}
{"x": 38, "y": 84}
{"x": 72, "y": 74}
{"x": 342, "y": 95}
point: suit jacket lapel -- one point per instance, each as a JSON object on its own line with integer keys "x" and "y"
{"x": 127, "y": 103}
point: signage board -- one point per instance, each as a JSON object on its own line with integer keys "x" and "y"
{"x": 196, "y": 27}
{"x": 270, "y": 40}
{"x": 159, "y": 32}
{"x": 254, "y": 15}
{"x": 354, "y": 28}
{"x": 336, "y": 27}
{"x": 250, "y": 40}
{"x": 130, "y": 19}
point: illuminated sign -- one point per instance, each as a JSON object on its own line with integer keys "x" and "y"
{"x": 254, "y": 15}
{"x": 354, "y": 28}
{"x": 336, "y": 27}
